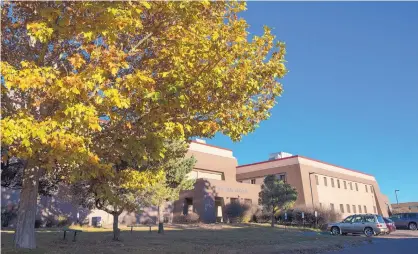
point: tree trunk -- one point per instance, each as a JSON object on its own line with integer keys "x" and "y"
{"x": 272, "y": 218}
{"x": 116, "y": 230}
{"x": 25, "y": 226}
{"x": 160, "y": 219}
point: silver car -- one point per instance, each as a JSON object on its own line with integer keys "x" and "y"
{"x": 368, "y": 224}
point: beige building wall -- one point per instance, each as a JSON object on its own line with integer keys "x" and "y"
{"x": 409, "y": 207}
{"x": 301, "y": 173}
{"x": 328, "y": 195}
{"x": 216, "y": 184}
{"x": 291, "y": 173}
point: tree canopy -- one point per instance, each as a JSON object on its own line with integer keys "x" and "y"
{"x": 88, "y": 87}
{"x": 275, "y": 194}
{"x": 176, "y": 168}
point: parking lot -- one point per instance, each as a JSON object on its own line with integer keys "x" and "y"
{"x": 400, "y": 241}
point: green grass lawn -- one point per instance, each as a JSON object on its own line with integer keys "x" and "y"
{"x": 248, "y": 238}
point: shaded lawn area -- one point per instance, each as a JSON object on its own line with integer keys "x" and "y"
{"x": 248, "y": 238}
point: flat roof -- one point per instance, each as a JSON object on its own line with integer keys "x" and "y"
{"x": 204, "y": 144}
{"x": 300, "y": 156}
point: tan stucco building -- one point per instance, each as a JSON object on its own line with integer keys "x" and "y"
{"x": 320, "y": 184}
{"x": 408, "y": 207}
{"x": 216, "y": 185}
{"x": 220, "y": 181}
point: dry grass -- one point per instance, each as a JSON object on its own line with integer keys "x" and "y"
{"x": 248, "y": 238}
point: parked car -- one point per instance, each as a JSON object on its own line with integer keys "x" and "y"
{"x": 390, "y": 225}
{"x": 368, "y": 224}
{"x": 405, "y": 220}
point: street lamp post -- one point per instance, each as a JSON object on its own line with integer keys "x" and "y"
{"x": 396, "y": 194}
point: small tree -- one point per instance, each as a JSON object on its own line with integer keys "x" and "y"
{"x": 276, "y": 194}
{"x": 120, "y": 192}
{"x": 176, "y": 169}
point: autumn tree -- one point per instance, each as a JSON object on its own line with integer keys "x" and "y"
{"x": 276, "y": 194}
{"x": 121, "y": 191}
{"x": 151, "y": 70}
{"x": 176, "y": 168}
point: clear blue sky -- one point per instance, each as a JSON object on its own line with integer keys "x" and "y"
{"x": 351, "y": 96}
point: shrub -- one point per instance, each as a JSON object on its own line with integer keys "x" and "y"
{"x": 50, "y": 222}
{"x": 8, "y": 214}
{"x": 325, "y": 216}
{"x": 62, "y": 221}
{"x": 238, "y": 213}
{"x": 190, "y": 218}
{"x": 250, "y": 215}
{"x": 148, "y": 221}
{"x": 254, "y": 211}
{"x": 263, "y": 217}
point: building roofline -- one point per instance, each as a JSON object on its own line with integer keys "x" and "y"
{"x": 192, "y": 141}
{"x": 300, "y": 156}
{"x": 352, "y": 170}
{"x": 262, "y": 162}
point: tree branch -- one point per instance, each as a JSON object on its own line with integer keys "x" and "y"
{"x": 142, "y": 41}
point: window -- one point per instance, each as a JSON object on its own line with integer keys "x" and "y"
{"x": 332, "y": 206}
{"x": 369, "y": 218}
{"x": 354, "y": 209}
{"x": 252, "y": 181}
{"x": 356, "y": 187}
{"x": 320, "y": 205}
{"x": 359, "y": 209}
{"x": 248, "y": 201}
{"x": 240, "y": 181}
{"x": 338, "y": 183}
{"x": 374, "y": 209}
{"x": 332, "y": 182}
{"x": 317, "y": 180}
{"x": 371, "y": 189}
{"x": 366, "y": 188}
{"x": 234, "y": 201}
{"x": 199, "y": 174}
{"x": 349, "y": 219}
{"x": 325, "y": 181}
{"x": 357, "y": 219}
{"x": 380, "y": 219}
{"x": 365, "y": 209}
{"x": 348, "y": 208}
{"x": 396, "y": 217}
{"x": 342, "y": 208}
{"x": 345, "y": 185}
{"x": 351, "y": 186}
{"x": 281, "y": 177}
{"x": 413, "y": 215}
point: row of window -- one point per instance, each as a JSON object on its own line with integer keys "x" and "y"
{"x": 247, "y": 201}
{"x": 351, "y": 208}
{"x": 350, "y": 184}
{"x": 281, "y": 177}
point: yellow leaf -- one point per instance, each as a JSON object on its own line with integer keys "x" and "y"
{"x": 114, "y": 71}
{"x": 75, "y": 90}
{"x": 146, "y": 5}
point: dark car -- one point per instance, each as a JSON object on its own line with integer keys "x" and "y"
{"x": 390, "y": 225}
{"x": 405, "y": 220}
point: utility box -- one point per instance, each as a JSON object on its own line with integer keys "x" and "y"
{"x": 96, "y": 222}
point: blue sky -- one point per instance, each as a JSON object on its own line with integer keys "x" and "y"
{"x": 351, "y": 96}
